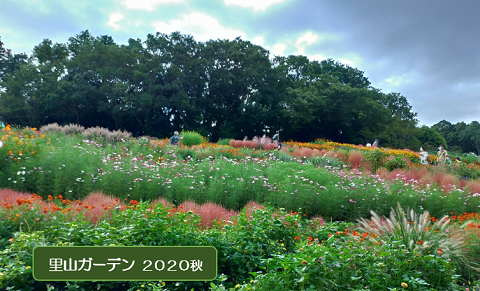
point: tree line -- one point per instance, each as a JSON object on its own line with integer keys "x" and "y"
{"x": 219, "y": 88}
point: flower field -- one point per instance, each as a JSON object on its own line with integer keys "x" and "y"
{"x": 279, "y": 219}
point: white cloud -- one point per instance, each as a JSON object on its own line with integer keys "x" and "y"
{"x": 147, "y": 4}
{"x": 347, "y": 62}
{"x": 279, "y": 49}
{"x": 317, "y": 57}
{"x": 396, "y": 81}
{"x": 114, "y": 19}
{"x": 255, "y": 4}
{"x": 203, "y": 27}
{"x": 258, "y": 40}
{"x": 304, "y": 40}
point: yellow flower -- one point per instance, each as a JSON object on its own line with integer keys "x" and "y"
{"x": 237, "y": 286}
{"x": 404, "y": 285}
{"x": 28, "y": 267}
{"x": 142, "y": 285}
{"x": 163, "y": 283}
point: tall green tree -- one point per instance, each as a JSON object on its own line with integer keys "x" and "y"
{"x": 471, "y": 134}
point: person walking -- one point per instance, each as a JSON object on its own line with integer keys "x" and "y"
{"x": 441, "y": 155}
{"x": 175, "y": 139}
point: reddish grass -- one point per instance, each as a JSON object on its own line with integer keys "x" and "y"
{"x": 341, "y": 154}
{"x": 318, "y": 220}
{"x": 250, "y": 206}
{"x": 396, "y": 173}
{"x": 330, "y": 154}
{"x": 323, "y": 151}
{"x": 427, "y": 179}
{"x": 208, "y": 212}
{"x": 297, "y": 153}
{"x": 252, "y": 144}
{"x": 354, "y": 158}
{"x": 285, "y": 150}
{"x": 316, "y": 153}
{"x": 99, "y": 204}
{"x": 307, "y": 152}
{"x": 438, "y": 176}
{"x": 270, "y": 146}
{"x": 446, "y": 181}
{"x": 232, "y": 143}
{"x": 163, "y": 201}
{"x": 474, "y": 186}
{"x": 383, "y": 173}
{"x": 244, "y": 143}
{"x": 9, "y": 195}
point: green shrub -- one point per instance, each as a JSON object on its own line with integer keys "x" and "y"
{"x": 191, "y": 138}
{"x": 224, "y": 141}
{"x": 396, "y": 163}
{"x": 377, "y": 158}
{"x": 325, "y": 161}
{"x": 345, "y": 265}
{"x": 470, "y": 158}
{"x": 418, "y": 234}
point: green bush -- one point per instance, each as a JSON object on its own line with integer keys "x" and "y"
{"x": 470, "y": 158}
{"x": 191, "y": 138}
{"x": 325, "y": 161}
{"x": 340, "y": 264}
{"x": 377, "y": 158}
{"x": 224, "y": 141}
{"x": 396, "y": 163}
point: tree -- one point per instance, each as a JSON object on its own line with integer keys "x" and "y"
{"x": 429, "y": 138}
{"x": 234, "y": 71}
{"x": 471, "y": 134}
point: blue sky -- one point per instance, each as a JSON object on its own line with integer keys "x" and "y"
{"x": 427, "y": 51}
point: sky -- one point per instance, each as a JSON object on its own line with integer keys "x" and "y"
{"x": 428, "y": 51}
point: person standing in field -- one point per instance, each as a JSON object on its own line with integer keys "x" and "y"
{"x": 423, "y": 155}
{"x": 175, "y": 139}
{"x": 441, "y": 155}
{"x": 2, "y": 123}
{"x": 375, "y": 144}
{"x": 276, "y": 138}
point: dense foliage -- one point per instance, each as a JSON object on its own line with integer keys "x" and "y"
{"x": 285, "y": 245}
{"x": 219, "y": 88}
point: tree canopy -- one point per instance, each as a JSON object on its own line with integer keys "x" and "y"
{"x": 220, "y": 88}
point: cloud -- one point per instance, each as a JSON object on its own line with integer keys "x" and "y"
{"x": 203, "y": 27}
{"x": 149, "y": 5}
{"x": 317, "y": 57}
{"x": 255, "y": 4}
{"x": 258, "y": 40}
{"x": 397, "y": 81}
{"x": 279, "y": 49}
{"x": 304, "y": 40}
{"x": 114, "y": 19}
